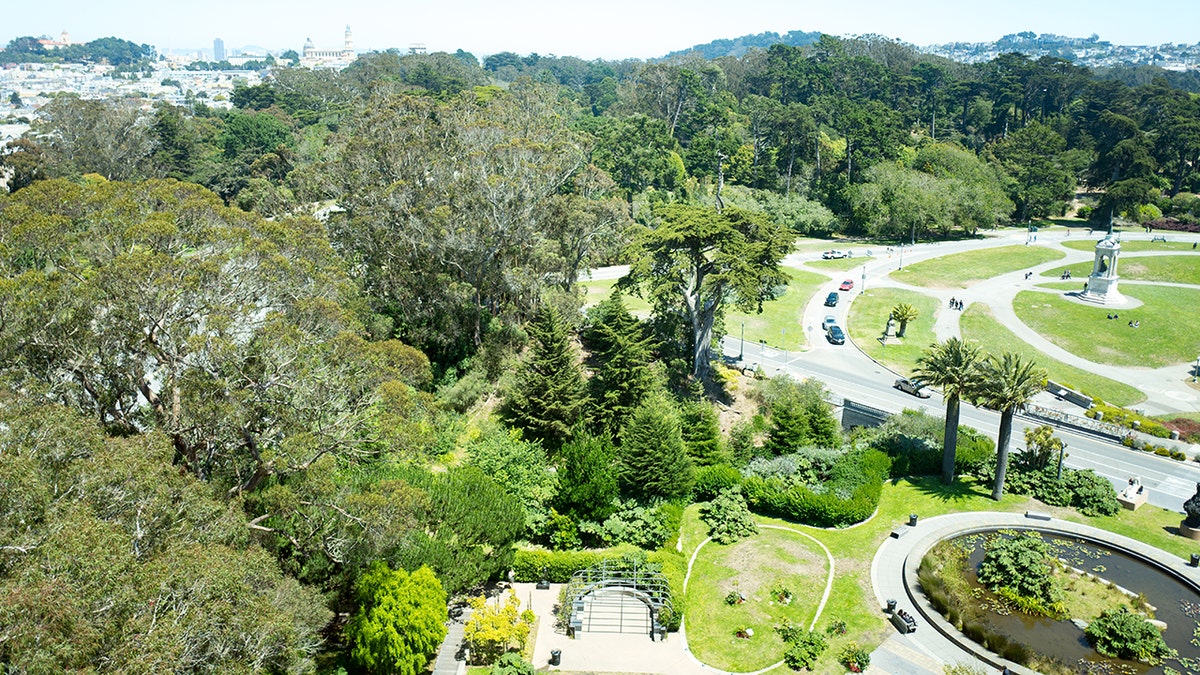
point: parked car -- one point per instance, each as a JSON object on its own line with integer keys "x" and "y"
{"x": 909, "y": 387}
{"x": 831, "y": 299}
{"x": 833, "y": 254}
{"x": 835, "y": 335}
{"x": 829, "y": 321}
{"x": 846, "y": 285}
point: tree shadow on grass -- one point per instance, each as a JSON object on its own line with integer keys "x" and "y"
{"x": 958, "y": 492}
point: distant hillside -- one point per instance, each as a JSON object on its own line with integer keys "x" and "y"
{"x": 740, "y": 45}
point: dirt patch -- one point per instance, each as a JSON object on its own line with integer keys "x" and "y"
{"x": 758, "y": 563}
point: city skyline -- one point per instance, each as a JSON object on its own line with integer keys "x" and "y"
{"x": 618, "y": 29}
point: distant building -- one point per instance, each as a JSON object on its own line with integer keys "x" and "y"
{"x": 312, "y": 57}
{"x": 63, "y": 41}
{"x": 218, "y": 50}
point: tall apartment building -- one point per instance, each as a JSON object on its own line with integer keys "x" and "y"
{"x": 218, "y": 50}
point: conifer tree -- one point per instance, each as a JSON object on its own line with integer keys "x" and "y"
{"x": 654, "y": 463}
{"x": 623, "y": 377}
{"x": 702, "y": 433}
{"x": 790, "y": 427}
{"x": 548, "y": 397}
{"x": 587, "y": 478}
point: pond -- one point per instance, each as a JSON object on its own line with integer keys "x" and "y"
{"x": 1175, "y": 603}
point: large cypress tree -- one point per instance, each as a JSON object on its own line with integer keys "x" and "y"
{"x": 587, "y": 478}
{"x": 547, "y": 399}
{"x": 653, "y": 461}
{"x": 702, "y": 433}
{"x": 790, "y": 427}
{"x": 623, "y": 378}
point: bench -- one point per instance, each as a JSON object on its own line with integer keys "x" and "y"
{"x": 1158, "y": 237}
{"x": 903, "y": 621}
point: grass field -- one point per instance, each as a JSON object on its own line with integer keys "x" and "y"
{"x": 979, "y": 326}
{"x": 961, "y": 270}
{"x": 1088, "y": 243}
{"x": 869, "y": 314}
{"x": 753, "y": 567}
{"x": 1169, "y": 324}
{"x": 1174, "y": 269}
{"x": 778, "y": 324}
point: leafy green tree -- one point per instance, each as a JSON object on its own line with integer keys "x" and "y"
{"x": 1006, "y": 384}
{"x": 547, "y": 398}
{"x": 251, "y": 135}
{"x": 728, "y": 518}
{"x": 800, "y": 417}
{"x": 587, "y": 478}
{"x": 518, "y": 466}
{"x": 79, "y": 136}
{"x": 623, "y": 377}
{"x": 1122, "y": 634}
{"x": 904, "y": 313}
{"x": 1041, "y": 447}
{"x": 696, "y": 260}
{"x": 653, "y": 461}
{"x": 1042, "y": 183}
{"x": 24, "y": 159}
{"x": 400, "y": 620}
{"x": 951, "y": 366}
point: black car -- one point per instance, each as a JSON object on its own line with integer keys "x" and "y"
{"x": 836, "y": 336}
{"x": 831, "y": 299}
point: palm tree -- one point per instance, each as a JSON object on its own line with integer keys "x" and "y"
{"x": 1007, "y": 384}
{"x": 904, "y": 313}
{"x": 952, "y": 366}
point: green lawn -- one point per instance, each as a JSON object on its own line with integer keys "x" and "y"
{"x": 978, "y": 326}
{"x": 778, "y": 324}
{"x": 961, "y": 270}
{"x": 1174, "y": 269}
{"x": 753, "y": 567}
{"x": 1088, "y": 243}
{"x": 1168, "y": 316}
{"x": 869, "y": 314}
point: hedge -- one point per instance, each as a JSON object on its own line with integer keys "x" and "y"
{"x": 535, "y": 564}
{"x": 862, "y": 474}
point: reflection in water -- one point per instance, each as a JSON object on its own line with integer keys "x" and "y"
{"x": 1175, "y": 603}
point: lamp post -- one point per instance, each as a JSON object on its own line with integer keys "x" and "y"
{"x": 1062, "y": 450}
{"x": 742, "y": 349}
{"x": 863, "y": 288}
{"x": 902, "y": 255}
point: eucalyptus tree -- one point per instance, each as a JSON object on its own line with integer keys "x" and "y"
{"x": 952, "y": 366}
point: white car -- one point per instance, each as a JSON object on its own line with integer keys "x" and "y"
{"x": 833, "y": 255}
{"x": 909, "y": 387}
{"x": 828, "y": 322}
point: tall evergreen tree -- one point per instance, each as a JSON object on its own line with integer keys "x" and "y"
{"x": 587, "y": 478}
{"x": 653, "y": 461}
{"x": 702, "y": 433}
{"x": 623, "y": 377}
{"x": 789, "y": 427}
{"x": 548, "y": 397}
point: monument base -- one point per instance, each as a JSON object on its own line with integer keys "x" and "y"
{"x": 1102, "y": 291}
{"x": 1188, "y": 532}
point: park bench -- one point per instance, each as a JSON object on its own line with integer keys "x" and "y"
{"x": 904, "y": 622}
{"x": 1158, "y": 237}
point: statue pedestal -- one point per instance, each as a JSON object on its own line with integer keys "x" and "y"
{"x": 1103, "y": 291}
{"x": 1188, "y": 532}
{"x": 1133, "y": 497}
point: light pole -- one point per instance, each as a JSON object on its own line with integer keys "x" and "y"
{"x": 902, "y": 255}
{"x": 1062, "y": 450}
{"x": 742, "y": 349}
{"x": 863, "y": 288}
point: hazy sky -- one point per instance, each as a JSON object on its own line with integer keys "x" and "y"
{"x": 609, "y": 29}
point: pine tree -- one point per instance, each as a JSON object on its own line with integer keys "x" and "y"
{"x": 790, "y": 427}
{"x": 623, "y": 378}
{"x": 702, "y": 433}
{"x": 654, "y": 463}
{"x": 548, "y": 397}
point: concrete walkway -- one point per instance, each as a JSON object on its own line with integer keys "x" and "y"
{"x": 1165, "y": 388}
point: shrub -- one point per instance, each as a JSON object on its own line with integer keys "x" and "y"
{"x": 975, "y": 454}
{"x": 1021, "y": 568}
{"x": 855, "y": 658}
{"x": 558, "y": 566}
{"x": 1122, "y": 634}
{"x": 1092, "y": 494}
{"x": 849, "y": 496}
{"x": 512, "y": 664}
{"x": 711, "y": 480}
{"x": 728, "y": 518}
{"x": 804, "y": 649}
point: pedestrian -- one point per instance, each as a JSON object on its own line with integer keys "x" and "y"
{"x": 1110, "y": 316}
{"x": 1193, "y": 246}
{"x": 1131, "y": 324}
{"x": 951, "y": 303}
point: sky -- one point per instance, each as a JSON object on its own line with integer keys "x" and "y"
{"x": 608, "y": 29}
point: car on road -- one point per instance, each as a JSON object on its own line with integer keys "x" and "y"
{"x": 846, "y": 285}
{"x": 909, "y": 387}
{"x": 829, "y": 321}
{"x": 833, "y": 254}
{"x": 835, "y": 335}
{"x": 831, "y": 299}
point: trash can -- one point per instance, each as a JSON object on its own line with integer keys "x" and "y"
{"x": 555, "y": 657}
{"x": 891, "y": 606}
{"x": 1196, "y": 560}
{"x": 912, "y": 519}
